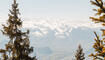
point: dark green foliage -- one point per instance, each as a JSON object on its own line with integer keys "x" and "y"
{"x": 99, "y": 47}
{"x": 99, "y": 44}
{"x": 79, "y": 54}
{"x": 18, "y": 48}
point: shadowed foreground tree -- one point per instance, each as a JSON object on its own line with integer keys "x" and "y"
{"x": 18, "y": 48}
{"x": 79, "y": 54}
{"x": 99, "y": 44}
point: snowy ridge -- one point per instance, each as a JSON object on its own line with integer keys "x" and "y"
{"x": 57, "y": 39}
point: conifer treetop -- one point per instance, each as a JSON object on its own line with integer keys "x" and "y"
{"x": 79, "y": 54}
{"x": 99, "y": 44}
{"x": 18, "y": 46}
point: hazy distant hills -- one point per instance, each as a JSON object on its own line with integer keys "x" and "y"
{"x": 62, "y": 46}
{"x": 58, "y": 40}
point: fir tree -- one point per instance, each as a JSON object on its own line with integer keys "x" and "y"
{"x": 18, "y": 48}
{"x": 79, "y": 54}
{"x": 99, "y": 48}
{"x": 99, "y": 44}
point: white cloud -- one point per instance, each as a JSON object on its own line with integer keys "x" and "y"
{"x": 37, "y": 34}
{"x": 61, "y": 26}
{"x": 56, "y": 23}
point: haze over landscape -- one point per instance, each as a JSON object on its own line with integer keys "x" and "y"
{"x": 56, "y": 27}
{"x": 56, "y": 40}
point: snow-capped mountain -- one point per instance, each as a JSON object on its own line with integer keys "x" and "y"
{"x": 58, "y": 39}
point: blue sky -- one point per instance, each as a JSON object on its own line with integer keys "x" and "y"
{"x": 74, "y": 10}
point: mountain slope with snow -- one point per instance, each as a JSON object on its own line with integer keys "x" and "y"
{"x": 58, "y": 39}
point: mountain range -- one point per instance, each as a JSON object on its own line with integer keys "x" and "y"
{"x": 58, "y": 39}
